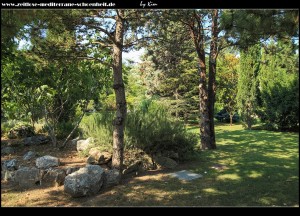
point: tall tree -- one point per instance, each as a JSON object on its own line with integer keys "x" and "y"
{"x": 118, "y": 30}
{"x": 248, "y": 83}
{"x": 279, "y": 85}
{"x": 227, "y": 80}
{"x": 201, "y": 28}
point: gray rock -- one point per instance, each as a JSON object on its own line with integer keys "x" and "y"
{"x": 165, "y": 162}
{"x": 53, "y": 177}
{"x": 7, "y": 150}
{"x": 98, "y": 157}
{"x": 36, "y": 140}
{"x": 70, "y": 170}
{"x": 46, "y": 162}
{"x": 27, "y": 176}
{"x": 112, "y": 177}
{"x": 7, "y": 175}
{"x": 84, "y": 182}
{"x": 133, "y": 167}
{"x": 74, "y": 141}
{"x": 84, "y": 144}
{"x": 29, "y": 155}
{"x": 10, "y": 165}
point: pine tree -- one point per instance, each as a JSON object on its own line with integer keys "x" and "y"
{"x": 248, "y": 84}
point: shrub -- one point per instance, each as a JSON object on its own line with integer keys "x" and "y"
{"x": 99, "y": 126}
{"x": 148, "y": 127}
{"x": 20, "y": 130}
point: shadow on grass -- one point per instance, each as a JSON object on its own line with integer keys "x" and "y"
{"x": 262, "y": 170}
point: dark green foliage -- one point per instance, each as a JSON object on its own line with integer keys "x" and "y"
{"x": 248, "y": 84}
{"x": 149, "y": 127}
{"x": 64, "y": 128}
{"x": 21, "y": 130}
{"x": 279, "y": 87}
{"x": 223, "y": 116}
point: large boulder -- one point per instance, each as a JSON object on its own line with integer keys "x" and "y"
{"x": 46, "y": 162}
{"x": 83, "y": 145}
{"x": 29, "y": 155}
{"x": 84, "y": 182}
{"x": 36, "y": 140}
{"x": 7, "y": 150}
{"x": 98, "y": 157}
{"x": 112, "y": 177}
{"x": 27, "y": 176}
{"x": 70, "y": 170}
{"x": 10, "y": 165}
{"x": 53, "y": 177}
{"x": 165, "y": 162}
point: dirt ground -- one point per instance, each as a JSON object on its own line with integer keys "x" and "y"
{"x": 40, "y": 196}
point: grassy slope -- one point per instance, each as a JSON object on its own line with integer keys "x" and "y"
{"x": 263, "y": 170}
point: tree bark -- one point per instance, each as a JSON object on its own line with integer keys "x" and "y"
{"x": 212, "y": 76}
{"x": 230, "y": 116}
{"x": 197, "y": 35}
{"x": 119, "y": 121}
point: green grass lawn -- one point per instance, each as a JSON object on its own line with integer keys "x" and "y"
{"x": 262, "y": 170}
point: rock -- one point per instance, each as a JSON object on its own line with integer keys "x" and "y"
{"x": 7, "y": 175}
{"x": 46, "y": 162}
{"x": 53, "y": 177}
{"x": 27, "y": 176}
{"x": 84, "y": 182}
{"x": 70, "y": 170}
{"x": 29, "y": 155}
{"x": 165, "y": 162}
{"x": 7, "y": 150}
{"x": 112, "y": 177}
{"x": 84, "y": 144}
{"x": 98, "y": 157}
{"x": 133, "y": 167}
{"x": 10, "y": 165}
{"x": 74, "y": 141}
{"x": 36, "y": 140}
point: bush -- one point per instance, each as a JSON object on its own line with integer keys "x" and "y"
{"x": 20, "y": 130}
{"x": 148, "y": 127}
{"x": 6, "y": 126}
{"x": 99, "y": 126}
{"x": 151, "y": 128}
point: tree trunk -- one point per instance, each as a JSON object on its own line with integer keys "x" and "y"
{"x": 197, "y": 35}
{"x": 119, "y": 122}
{"x": 230, "y": 116}
{"x": 212, "y": 77}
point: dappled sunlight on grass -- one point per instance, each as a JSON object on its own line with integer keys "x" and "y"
{"x": 267, "y": 200}
{"x": 229, "y": 177}
{"x": 261, "y": 169}
{"x": 213, "y": 191}
{"x": 255, "y": 174}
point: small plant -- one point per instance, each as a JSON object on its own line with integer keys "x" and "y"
{"x": 21, "y": 130}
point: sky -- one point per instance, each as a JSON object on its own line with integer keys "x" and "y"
{"x": 134, "y": 55}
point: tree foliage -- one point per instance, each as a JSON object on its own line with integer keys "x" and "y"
{"x": 248, "y": 84}
{"x": 279, "y": 86}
